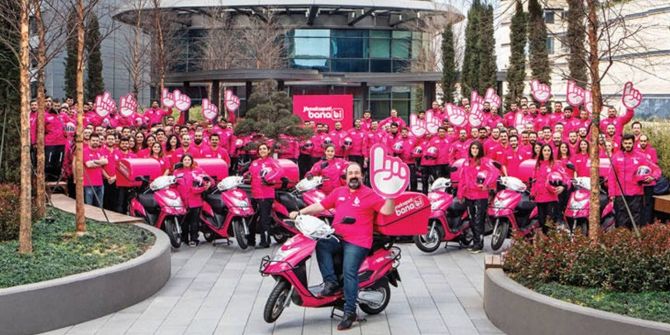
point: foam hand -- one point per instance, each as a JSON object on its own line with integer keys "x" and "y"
{"x": 389, "y": 175}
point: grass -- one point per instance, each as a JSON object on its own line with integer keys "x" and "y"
{"x": 58, "y": 252}
{"x": 654, "y": 306}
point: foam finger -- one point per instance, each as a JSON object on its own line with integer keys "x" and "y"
{"x": 377, "y": 158}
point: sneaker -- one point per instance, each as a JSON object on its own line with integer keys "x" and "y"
{"x": 329, "y": 288}
{"x": 347, "y": 321}
{"x": 193, "y": 244}
{"x": 477, "y": 247}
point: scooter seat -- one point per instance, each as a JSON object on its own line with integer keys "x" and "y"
{"x": 149, "y": 202}
{"x": 289, "y": 200}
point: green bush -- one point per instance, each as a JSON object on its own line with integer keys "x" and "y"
{"x": 659, "y": 137}
{"x": 9, "y": 204}
{"x": 619, "y": 262}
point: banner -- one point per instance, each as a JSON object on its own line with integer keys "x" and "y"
{"x": 326, "y": 109}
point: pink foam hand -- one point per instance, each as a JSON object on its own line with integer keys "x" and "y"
{"x": 232, "y": 101}
{"x": 209, "y": 110}
{"x": 588, "y": 101}
{"x": 128, "y": 105}
{"x": 389, "y": 175}
{"x": 181, "y": 100}
{"x": 541, "y": 92}
{"x": 433, "y": 123}
{"x": 631, "y": 97}
{"x": 104, "y": 104}
{"x": 167, "y": 98}
{"x": 476, "y": 117}
{"x": 492, "y": 97}
{"x": 575, "y": 94}
{"x": 417, "y": 126}
{"x": 456, "y": 115}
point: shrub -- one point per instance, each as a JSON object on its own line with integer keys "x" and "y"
{"x": 9, "y": 204}
{"x": 659, "y": 137}
{"x": 619, "y": 262}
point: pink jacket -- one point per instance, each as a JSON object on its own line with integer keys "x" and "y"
{"x": 541, "y": 190}
{"x": 626, "y": 165}
{"x": 459, "y": 149}
{"x": 338, "y": 138}
{"x": 468, "y": 187}
{"x": 190, "y": 184}
{"x": 317, "y": 141}
{"x": 359, "y": 142}
{"x": 259, "y": 190}
{"x": 332, "y": 169}
{"x": 618, "y": 121}
{"x": 153, "y": 116}
{"x": 54, "y": 133}
{"x": 387, "y": 121}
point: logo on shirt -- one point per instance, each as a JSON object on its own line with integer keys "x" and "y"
{"x": 357, "y": 202}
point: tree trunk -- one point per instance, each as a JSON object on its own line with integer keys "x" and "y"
{"x": 160, "y": 44}
{"x": 79, "y": 158}
{"x": 25, "y": 219}
{"x": 40, "y": 184}
{"x": 594, "y": 210}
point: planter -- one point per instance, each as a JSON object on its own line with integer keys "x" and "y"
{"x": 53, "y": 304}
{"x": 515, "y": 309}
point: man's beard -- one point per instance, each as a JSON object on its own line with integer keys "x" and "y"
{"x": 197, "y": 142}
{"x": 354, "y": 183}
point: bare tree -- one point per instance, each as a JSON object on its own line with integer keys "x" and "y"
{"x": 221, "y": 46}
{"x": 263, "y": 44}
{"x": 166, "y": 42}
{"x": 25, "y": 230}
{"x": 135, "y": 60}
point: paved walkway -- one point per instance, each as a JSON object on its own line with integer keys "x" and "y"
{"x": 218, "y": 290}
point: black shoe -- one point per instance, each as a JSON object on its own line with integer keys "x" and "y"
{"x": 329, "y": 288}
{"x": 193, "y": 244}
{"x": 477, "y": 247}
{"x": 347, "y": 321}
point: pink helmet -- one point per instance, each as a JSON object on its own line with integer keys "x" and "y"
{"x": 418, "y": 150}
{"x": 348, "y": 142}
{"x": 555, "y": 179}
{"x": 308, "y": 145}
{"x": 481, "y": 177}
{"x": 239, "y": 143}
{"x": 431, "y": 153}
{"x": 643, "y": 171}
{"x": 327, "y": 141}
{"x": 397, "y": 148}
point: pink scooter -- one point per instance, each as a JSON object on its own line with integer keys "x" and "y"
{"x": 288, "y": 266}
{"x": 161, "y": 206}
{"x": 577, "y": 211}
{"x": 226, "y": 212}
{"x": 448, "y": 221}
{"x": 511, "y": 207}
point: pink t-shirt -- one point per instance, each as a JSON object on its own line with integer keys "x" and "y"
{"x": 361, "y": 205}
{"x": 92, "y": 176}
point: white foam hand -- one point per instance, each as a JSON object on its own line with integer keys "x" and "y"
{"x": 104, "y": 104}
{"x": 631, "y": 97}
{"x": 417, "y": 126}
{"x": 181, "y": 101}
{"x": 128, "y": 105}
{"x": 167, "y": 98}
{"x": 433, "y": 123}
{"x": 456, "y": 115}
{"x": 588, "y": 101}
{"x": 575, "y": 94}
{"x": 232, "y": 101}
{"x": 492, "y": 97}
{"x": 209, "y": 110}
{"x": 541, "y": 92}
{"x": 390, "y": 175}
{"x": 476, "y": 116}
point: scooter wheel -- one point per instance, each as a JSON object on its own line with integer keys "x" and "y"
{"x": 276, "y": 301}
{"x": 238, "y": 230}
{"x": 430, "y": 241}
{"x": 173, "y": 231}
{"x": 383, "y": 288}
{"x": 500, "y": 232}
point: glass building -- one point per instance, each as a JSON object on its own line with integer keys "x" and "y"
{"x": 371, "y": 51}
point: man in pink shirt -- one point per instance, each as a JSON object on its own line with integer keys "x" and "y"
{"x": 94, "y": 161}
{"x": 215, "y": 150}
{"x": 618, "y": 121}
{"x": 393, "y": 118}
{"x": 155, "y": 115}
{"x": 109, "y": 172}
{"x": 358, "y": 149}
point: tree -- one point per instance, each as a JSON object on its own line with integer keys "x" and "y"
{"x": 271, "y": 113}
{"x": 135, "y": 60}
{"x": 448, "y": 64}
{"x": 25, "y": 221}
{"x": 575, "y": 39}
{"x": 487, "y": 44}
{"x": 80, "y": 218}
{"x": 537, "y": 43}
{"x": 95, "y": 84}
{"x": 516, "y": 73}
{"x": 472, "y": 57}
{"x": 71, "y": 56}
{"x": 40, "y": 182}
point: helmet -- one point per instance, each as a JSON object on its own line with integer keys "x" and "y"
{"x": 643, "y": 171}
{"x": 308, "y": 145}
{"x": 481, "y": 177}
{"x": 327, "y": 141}
{"x": 431, "y": 153}
{"x": 397, "y": 148}
{"x": 440, "y": 184}
{"x": 348, "y": 142}
{"x": 418, "y": 150}
{"x": 239, "y": 143}
{"x": 555, "y": 179}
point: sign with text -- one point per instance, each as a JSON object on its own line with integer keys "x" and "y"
{"x": 326, "y": 109}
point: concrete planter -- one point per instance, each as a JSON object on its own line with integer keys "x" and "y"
{"x": 57, "y": 303}
{"x": 515, "y": 309}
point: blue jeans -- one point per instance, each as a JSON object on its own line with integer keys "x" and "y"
{"x": 93, "y": 195}
{"x": 352, "y": 258}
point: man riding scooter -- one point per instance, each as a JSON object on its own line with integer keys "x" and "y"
{"x": 353, "y": 223}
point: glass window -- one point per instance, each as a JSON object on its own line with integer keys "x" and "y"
{"x": 380, "y": 92}
{"x": 400, "y": 48}
{"x": 402, "y": 106}
{"x": 311, "y": 33}
{"x": 380, "y": 109}
{"x": 550, "y": 45}
{"x": 380, "y": 44}
{"x": 401, "y": 66}
{"x": 311, "y": 63}
{"x": 402, "y": 34}
{"x": 311, "y": 47}
{"x": 549, "y": 17}
{"x": 343, "y": 47}
{"x": 380, "y": 65}
{"x": 349, "y": 65}
{"x": 401, "y": 92}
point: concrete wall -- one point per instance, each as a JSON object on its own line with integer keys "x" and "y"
{"x": 57, "y": 303}
{"x": 515, "y": 309}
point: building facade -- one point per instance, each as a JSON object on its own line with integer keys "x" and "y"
{"x": 643, "y": 57}
{"x": 369, "y": 49}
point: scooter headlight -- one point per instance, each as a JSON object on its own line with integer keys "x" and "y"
{"x": 176, "y": 202}
{"x": 240, "y": 203}
{"x": 436, "y": 204}
{"x": 580, "y": 204}
{"x": 284, "y": 252}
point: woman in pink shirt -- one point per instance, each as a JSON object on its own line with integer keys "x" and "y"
{"x": 157, "y": 154}
{"x": 264, "y": 172}
{"x": 331, "y": 168}
{"x": 190, "y": 184}
{"x": 544, "y": 190}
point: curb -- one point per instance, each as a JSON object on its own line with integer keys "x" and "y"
{"x": 515, "y": 309}
{"x": 57, "y": 303}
